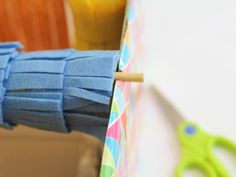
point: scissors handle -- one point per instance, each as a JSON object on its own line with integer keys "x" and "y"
{"x": 195, "y": 163}
{"x": 198, "y": 151}
{"x": 225, "y": 144}
{"x": 194, "y": 153}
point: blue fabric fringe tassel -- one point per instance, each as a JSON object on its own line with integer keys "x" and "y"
{"x": 60, "y": 90}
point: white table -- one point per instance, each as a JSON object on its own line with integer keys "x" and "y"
{"x": 191, "y": 56}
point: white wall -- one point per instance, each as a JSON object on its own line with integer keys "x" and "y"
{"x": 191, "y": 56}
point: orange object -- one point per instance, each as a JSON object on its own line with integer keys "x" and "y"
{"x": 37, "y": 24}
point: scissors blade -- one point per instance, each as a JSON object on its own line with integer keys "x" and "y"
{"x": 171, "y": 110}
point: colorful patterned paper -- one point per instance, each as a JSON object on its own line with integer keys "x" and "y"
{"x": 119, "y": 143}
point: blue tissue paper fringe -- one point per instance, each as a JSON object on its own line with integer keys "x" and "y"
{"x": 57, "y": 90}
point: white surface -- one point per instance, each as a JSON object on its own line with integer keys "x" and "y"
{"x": 191, "y": 57}
{"x": 157, "y": 146}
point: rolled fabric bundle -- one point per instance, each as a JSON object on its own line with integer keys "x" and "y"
{"x": 59, "y": 90}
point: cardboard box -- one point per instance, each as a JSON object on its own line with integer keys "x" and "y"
{"x": 27, "y": 152}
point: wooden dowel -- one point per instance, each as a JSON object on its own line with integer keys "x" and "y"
{"x": 129, "y": 77}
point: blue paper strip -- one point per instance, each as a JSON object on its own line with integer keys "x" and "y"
{"x": 2, "y": 75}
{"x": 93, "y": 108}
{"x": 51, "y": 121}
{"x": 71, "y": 102}
{"x": 4, "y": 59}
{"x": 16, "y": 45}
{"x": 82, "y": 93}
{"x": 34, "y": 104}
{"x": 1, "y": 115}
{"x": 89, "y": 83}
{"x": 83, "y": 119}
{"x": 47, "y": 54}
{"x": 101, "y": 92}
{"x": 34, "y": 81}
{"x": 7, "y": 72}
{"x": 41, "y": 66}
{"x": 96, "y": 67}
{"x": 42, "y": 95}
{"x": 4, "y": 51}
{"x": 34, "y": 115}
{"x": 93, "y": 53}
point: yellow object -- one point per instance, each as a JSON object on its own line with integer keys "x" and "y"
{"x": 98, "y": 23}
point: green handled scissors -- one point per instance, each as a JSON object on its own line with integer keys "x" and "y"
{"x": 197, "y": 145}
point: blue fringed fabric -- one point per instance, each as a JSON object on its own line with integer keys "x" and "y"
{"x": 60, "y": 90}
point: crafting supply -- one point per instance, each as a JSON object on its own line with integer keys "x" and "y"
{"x": 58, "y": 90}
{"x": 93, "y": 53}
{"x": 22, "y": 81}
{"x": 4, "y": 51}
{"x": 71, "y": 102}
{"x": 32, "y": 104}
{"x": 197, "y": 145}
{"x": 16, "y": 45}
{"x": 35, "y": 94}
{"x": 98, "y": 83}
{"x": 89, "y": 67}
{"x": 48, "y": 55}
{"x": 4, "y": 59}
{"x": 38, "y": 66}
{"x": 85, "y": 94}
{"x": 129, "y": 77}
